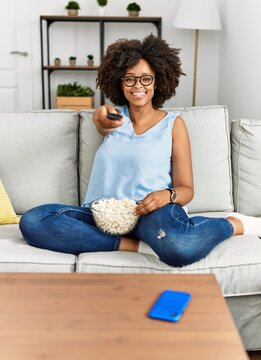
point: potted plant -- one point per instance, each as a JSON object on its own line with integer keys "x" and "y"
{"x": 90, "y": 60}
{"x": 101, "y": 6}
{"x": 133, "y": 9}
{"x": 57, "y": 61}
{"x": 74, "y": 96}
{"x": 72, "y": 8}
{"x": 72, "y": 60}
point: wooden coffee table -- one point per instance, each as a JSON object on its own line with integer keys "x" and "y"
{"x": 104, "y": 316}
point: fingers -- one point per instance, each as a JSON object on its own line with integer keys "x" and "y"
{"x": 152, "y": 201}
{"x": 104, "y": 121}
{"x": 147, "y": 205}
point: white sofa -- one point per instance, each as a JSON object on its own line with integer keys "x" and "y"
{"x": 46, "y": 157}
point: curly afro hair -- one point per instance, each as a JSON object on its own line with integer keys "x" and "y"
{"x": 124, "y": 54}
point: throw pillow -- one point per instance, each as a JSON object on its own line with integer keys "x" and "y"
{"x": 7, "y": 213}
{"x": 246, "y": 158}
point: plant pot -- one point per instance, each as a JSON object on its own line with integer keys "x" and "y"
{"x": 72, "y": 62}
{"x": 133, "y": 13}
{"x": 72, "y": 12}
{"x": 57, "y": 62}
{"x": 75, "y": 102}
{"x": 101, "y": 10}
{"x": 90, "y": 62}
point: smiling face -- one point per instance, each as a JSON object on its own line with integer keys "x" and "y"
{"x": 139, "y": 94}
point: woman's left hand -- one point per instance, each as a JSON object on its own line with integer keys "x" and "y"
{"x": 153, "y": 201}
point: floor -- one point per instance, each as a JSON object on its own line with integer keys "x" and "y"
{"x": 254, "y": 355}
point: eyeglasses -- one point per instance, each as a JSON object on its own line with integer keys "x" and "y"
{"x": 130, "y": 81}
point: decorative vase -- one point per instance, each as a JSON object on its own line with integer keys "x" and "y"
{"x": 72, "y": 12}
{"x": 133, "y": 13}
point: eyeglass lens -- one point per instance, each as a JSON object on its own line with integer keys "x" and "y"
{"x": 145, "y": 80}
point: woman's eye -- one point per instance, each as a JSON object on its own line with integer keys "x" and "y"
{"x": 129, "y": 80}
{"x": 146, "y": 79}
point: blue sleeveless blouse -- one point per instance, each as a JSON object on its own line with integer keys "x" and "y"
{"x": 131, "y": 165}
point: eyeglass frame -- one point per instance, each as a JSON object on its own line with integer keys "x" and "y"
{"x": 136, "y": 78}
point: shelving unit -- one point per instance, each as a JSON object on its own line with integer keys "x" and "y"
{"x": 47, "y": 20}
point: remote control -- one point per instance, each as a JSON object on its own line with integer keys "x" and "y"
{"x": 114, "y": 116}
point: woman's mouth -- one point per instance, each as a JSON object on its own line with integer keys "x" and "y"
{"x": 138, "y": 94}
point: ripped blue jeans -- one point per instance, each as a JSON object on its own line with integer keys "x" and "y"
{"x": 175, "y": 237}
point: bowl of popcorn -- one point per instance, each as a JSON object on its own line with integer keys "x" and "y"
{"x": 114, "y": 216}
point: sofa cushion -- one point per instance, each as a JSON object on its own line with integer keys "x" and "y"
{"x": 246, "y": 159}
{"x": 209, "y": 132}
{"x": 7, "y": 214}
{"x": 235, "y": 262}
{"x": 17, "y": 255}
{"x": 38, "y": 157}
{"x": 90, "y": 140}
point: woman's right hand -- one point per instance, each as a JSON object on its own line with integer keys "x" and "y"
{"x": 103, "y": 124}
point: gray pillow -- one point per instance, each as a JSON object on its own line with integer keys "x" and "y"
{"x": 209, "y": 132}
{"x": 246, "y": 160}
{"x": 90, "y": 141}
{"x": 39, "y": 157}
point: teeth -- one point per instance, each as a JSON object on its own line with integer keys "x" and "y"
{"x": 138, "y": 94}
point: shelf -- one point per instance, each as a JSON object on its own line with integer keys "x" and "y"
{"x": 101, "y": 20}
{"x": 67, "y": 67}
{"x": 141, "y": 19}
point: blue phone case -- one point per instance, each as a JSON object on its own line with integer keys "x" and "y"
{"x": 170, "y": 305}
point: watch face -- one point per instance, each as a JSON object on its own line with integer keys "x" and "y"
{"x": 173, "y": 195}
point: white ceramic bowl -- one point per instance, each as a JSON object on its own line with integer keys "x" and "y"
{"x": 114, "y": 216}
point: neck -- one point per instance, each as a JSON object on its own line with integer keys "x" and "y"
{"x": 139, "y": 114}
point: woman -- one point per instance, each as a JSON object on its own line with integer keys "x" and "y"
{"x": 146, "y": 156}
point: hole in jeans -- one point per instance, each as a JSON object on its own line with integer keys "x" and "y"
{"x": 161, "y": 233}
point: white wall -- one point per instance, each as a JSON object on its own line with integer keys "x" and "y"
{"x": 228, "y": 63}
{"x": 240, "y": 58}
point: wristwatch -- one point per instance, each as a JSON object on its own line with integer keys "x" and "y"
{"x": 173, "y": 195}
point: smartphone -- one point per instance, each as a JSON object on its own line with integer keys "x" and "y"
{"x": 170, "y": 305}
{"x": 114, "y": 116}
